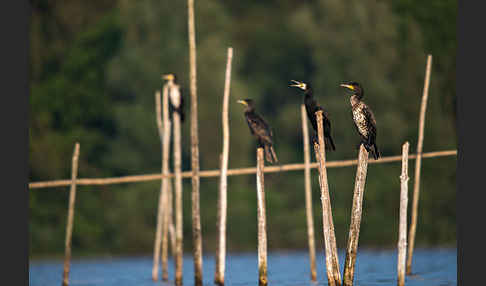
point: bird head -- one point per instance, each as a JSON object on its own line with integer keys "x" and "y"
{"x": 246, "y": 102}
{"x": 354, "y": 86}
{"x": 301, "y": 85}
{"x": 169, "y": 77}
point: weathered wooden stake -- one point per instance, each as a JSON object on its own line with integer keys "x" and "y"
{"x": 262, "y": 224}
{"x": 308, "y": 196}
{"x": 222, "y": 199}
{"x": 171, "y": 220}
{"x": 69, "y": 227}
{"x": 332, "y": 262}
{"x": 163, "y": 125}
{"x": 179, "y": 250}
{"x": 165, "y": 233}
{"x": 167, "y": 189}
{"x": 196, "y": 216}
{"x": 418, "y": 164}
{"x": 402, "y": 231}
{"x": 166, "y": 213}
{"x": 356, "y": 212}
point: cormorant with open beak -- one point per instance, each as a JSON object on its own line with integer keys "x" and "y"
{"x": 175, "y": 95}
{"x": 363, "y": 118}
{"x": 260, "y": 129}
{"x": 311, "y": 107}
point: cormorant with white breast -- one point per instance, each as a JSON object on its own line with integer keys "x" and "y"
{"x": 363, "y": 118}
{"x": 175, "y": 95}
{"x": 260, "y": 129}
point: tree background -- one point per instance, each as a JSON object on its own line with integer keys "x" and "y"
{"x": 95, "y": 66}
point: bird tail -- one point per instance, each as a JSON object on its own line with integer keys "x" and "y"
{"x": 270, "y": 155}
{"x": 374, "y": 151}
{"x": 329, "y": 143}
{"x": 178, "y": 110}
{"x": 181, "y": 113}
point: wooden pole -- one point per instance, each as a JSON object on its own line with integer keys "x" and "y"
{"x": 163, "y": 125}
{"x": 356, "y": 212}
{"x": 402, "y": 231}
{"x": 69, "y": 227}
{"x": 262, "y": 225}
{"x": 222, "y": 199}
{"x": 179, "y": 250}
{"x": 308, "y": 196}
{"x": 166, "y": 185}
{"x": 332, "y": 263}
{"x": 325, "y": 225}
{"x": 231, "y": 172}
{"x": 337, "y": 274}
{"x": 171, "y": 220}
{"x": 166, "y": 221}
{"x": 418, "y": 164}
{"x": 196, "y": 218}
{"x": 165, "y": 234}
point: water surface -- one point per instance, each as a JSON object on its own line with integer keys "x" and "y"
{"x": 431, "y": 267}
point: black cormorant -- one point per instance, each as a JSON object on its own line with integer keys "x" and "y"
{"x": 175, "y": 95}
{"x": 363, "y": 118}
{"x": 260, "y": 129}
{"x": 311, "y": 106}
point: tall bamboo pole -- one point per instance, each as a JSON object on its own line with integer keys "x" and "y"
{"x": 402, "y": 231}
{"x": 196, "y": 219}
{"x": 171, "y": 220}
{"x": 222, "y": 199}
{"x": 165, "y": 232}
{"x": 308, "y": 196}
{"x": 356, "y": 212}
{"x": 332, "y": 263}
{"x": 325, "y": 224}
{"x": 179, "y": 250}
{"x": 166, "y": 189}
{"x": 335, "y": 260}
{"x": 163, "y": 125}
{"x": 69, "y": 227}
{"x": 418, "y": 165}
{"x": 262, "y": 225}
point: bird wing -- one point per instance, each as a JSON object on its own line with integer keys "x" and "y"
{"x": 370, "y": 121}
{"x": 259, "y": 127}
{"x": 181, "y": 108}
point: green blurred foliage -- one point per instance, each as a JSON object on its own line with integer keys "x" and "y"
{"x": 95, "y": 67}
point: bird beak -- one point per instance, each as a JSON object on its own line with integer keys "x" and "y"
{"x": 242, "y": 102}
{"x": 347, "y": 86}
{"x": 296, "y": 83}
{"x": 168, "y": 76}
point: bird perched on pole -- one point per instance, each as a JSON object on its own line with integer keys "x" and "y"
{"x": 363, "y": 118}
{"x": 175, "y": 95}
{"x": 311, "y": 107}
{"x": 260, "y": 129}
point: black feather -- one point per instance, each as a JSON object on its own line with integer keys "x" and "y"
{"x": 261, "y": 130}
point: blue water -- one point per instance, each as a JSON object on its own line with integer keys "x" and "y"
{"x": 431, "y": 267}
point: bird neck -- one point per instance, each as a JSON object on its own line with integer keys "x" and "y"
{"x": 308, "y": 92}
{"x": 308, "y": 96}
{"x": 355, "y": 99}
{"x": 249, "y": 109}
{"x": 170, "y": 83}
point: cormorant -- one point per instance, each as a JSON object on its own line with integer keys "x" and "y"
{"x": 363, "y": 118}
{"x": 311, "y": 106}
{"x": 260, "y": 129}
{"x": 175, "y": 95}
